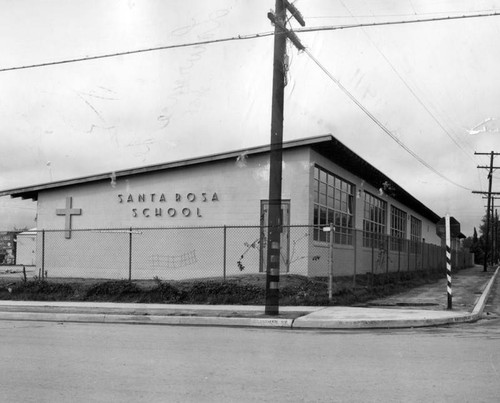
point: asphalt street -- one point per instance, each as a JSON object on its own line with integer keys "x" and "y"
{"x": 89, "y": 362}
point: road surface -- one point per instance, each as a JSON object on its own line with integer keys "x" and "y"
{"x": 61, "y": 362}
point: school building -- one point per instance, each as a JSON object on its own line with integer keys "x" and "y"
{"x": 204, "y": 216}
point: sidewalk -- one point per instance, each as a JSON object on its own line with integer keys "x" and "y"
{"x": 422, "y": 306}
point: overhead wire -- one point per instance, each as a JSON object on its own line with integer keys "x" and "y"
{"x": 137, "y": 51}
{"x": 380, "y": 124}
{"x": 376, "y": 24}
{"x": 397, "y": 15}
{"x": 239, "y": 37}
{"x": 410, "y": 89}
{"x": 264, "y": 34}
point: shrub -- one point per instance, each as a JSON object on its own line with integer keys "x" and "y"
{"x": 219, "y": 292}
{"x": 164, "y": 292}
{"x": 41, "y": 290}
{"x": 121, "y": 290}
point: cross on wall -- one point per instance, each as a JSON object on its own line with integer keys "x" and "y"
{"x": 68, "y": 212}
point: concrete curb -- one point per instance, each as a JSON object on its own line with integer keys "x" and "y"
{"x": 147, "y": 319}
{"x": 481, "y": 303}
{"x": 323, "y": 320}
{"x": 316, "y": 318}
{"x": 423, "y": 319}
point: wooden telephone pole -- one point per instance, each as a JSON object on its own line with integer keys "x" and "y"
{"x": 494, "y": 230}
{"x": 281, "y": 33}
{"x": 488, "y": 208}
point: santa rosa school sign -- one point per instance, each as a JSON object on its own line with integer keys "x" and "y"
{"x": 165, "y": 205}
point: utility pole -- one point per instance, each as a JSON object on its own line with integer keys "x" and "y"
{"x": 495, "y": 233}
{"x": 487, "y": 231}
{"x": 490, "y": 179}
{"x": 494, "y": 230}
{"x": 281, "y": 33}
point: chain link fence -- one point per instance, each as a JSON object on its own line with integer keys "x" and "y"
{"x": 219, "y": 252}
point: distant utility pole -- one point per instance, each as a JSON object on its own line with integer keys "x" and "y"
{"x": 494, "y": 230}
{"x": 281, "y": 33}
{"x": 495, "y": 234}
{"x": 489, "y": 193}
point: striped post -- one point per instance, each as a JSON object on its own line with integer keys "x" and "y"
{"x": 448, "y": 260}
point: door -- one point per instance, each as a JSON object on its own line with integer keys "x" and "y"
{"x": 284, "y": 239}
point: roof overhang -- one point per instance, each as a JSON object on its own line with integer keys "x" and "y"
{"x": 31, "y": 192}
{"x": 326, "y": 145}
{"x": 349, "y": 160}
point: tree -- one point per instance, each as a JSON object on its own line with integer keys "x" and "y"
{"x": 493, "y": 236}
{"x": 475, "y": 246}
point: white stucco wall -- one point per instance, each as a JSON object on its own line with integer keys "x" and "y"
{"x": 220, "y": 193}
{"x": 216, "y": 194}
{"x": 213, "y": 194}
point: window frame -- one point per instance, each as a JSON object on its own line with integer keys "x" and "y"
{"x": 415, "y": 234}
{"x": 374, "y": 220}
{"x": 399, "y": 228}
{"x": 333, "y": 202}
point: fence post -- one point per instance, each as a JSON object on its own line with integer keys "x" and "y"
{"x": 422, "y": 255}
{"x": 388, "y": 241}
{"x": 373, "y": 258}
{"x": 399, "y": 254}
{"x": 416, "y": 258}
{"x": 43, "y": 253}
{"x": 224, "y": 252}
{"x": 426, "y": 254}
{"x": 408, "y": 252}
{"x": 330, "y": 261}
{"x": 355, "y": 250}
{"x": 130, "y": 255}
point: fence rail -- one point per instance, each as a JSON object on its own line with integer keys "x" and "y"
{"x": 218, "y": 252}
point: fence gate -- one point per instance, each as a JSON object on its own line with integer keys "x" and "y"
{"x": 284, "y": 239}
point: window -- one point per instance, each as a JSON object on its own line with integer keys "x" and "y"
{"x": 415, "y": 234}
{"x": 374, "y": 220}
{"x": 398, "y": 228}
{"x": 333, "y": 203}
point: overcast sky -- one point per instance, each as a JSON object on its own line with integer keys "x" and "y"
{"x": 434, "y": 85}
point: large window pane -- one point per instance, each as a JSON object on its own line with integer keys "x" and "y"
{"x": 333, "y": 202}
{"x": 398, "y": 227}
{"x": 416, "y": 234}
{"x": 374, "y": 225}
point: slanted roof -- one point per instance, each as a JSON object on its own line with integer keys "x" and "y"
{"x": 326, "y": 145}
{"x": 31, "y": 192}
{"x": 347, "y": 159}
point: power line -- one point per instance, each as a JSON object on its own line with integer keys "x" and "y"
{"x": 380, "y": 124}
{"x": 419, "y": 100}
{"x": 132, "y": 52}
{"x": 395, "y": 15}
{"x": 376, "y": 24}
{"x": 240, "y": 37}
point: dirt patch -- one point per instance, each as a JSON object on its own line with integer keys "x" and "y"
{"x": 295, "y": 290}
